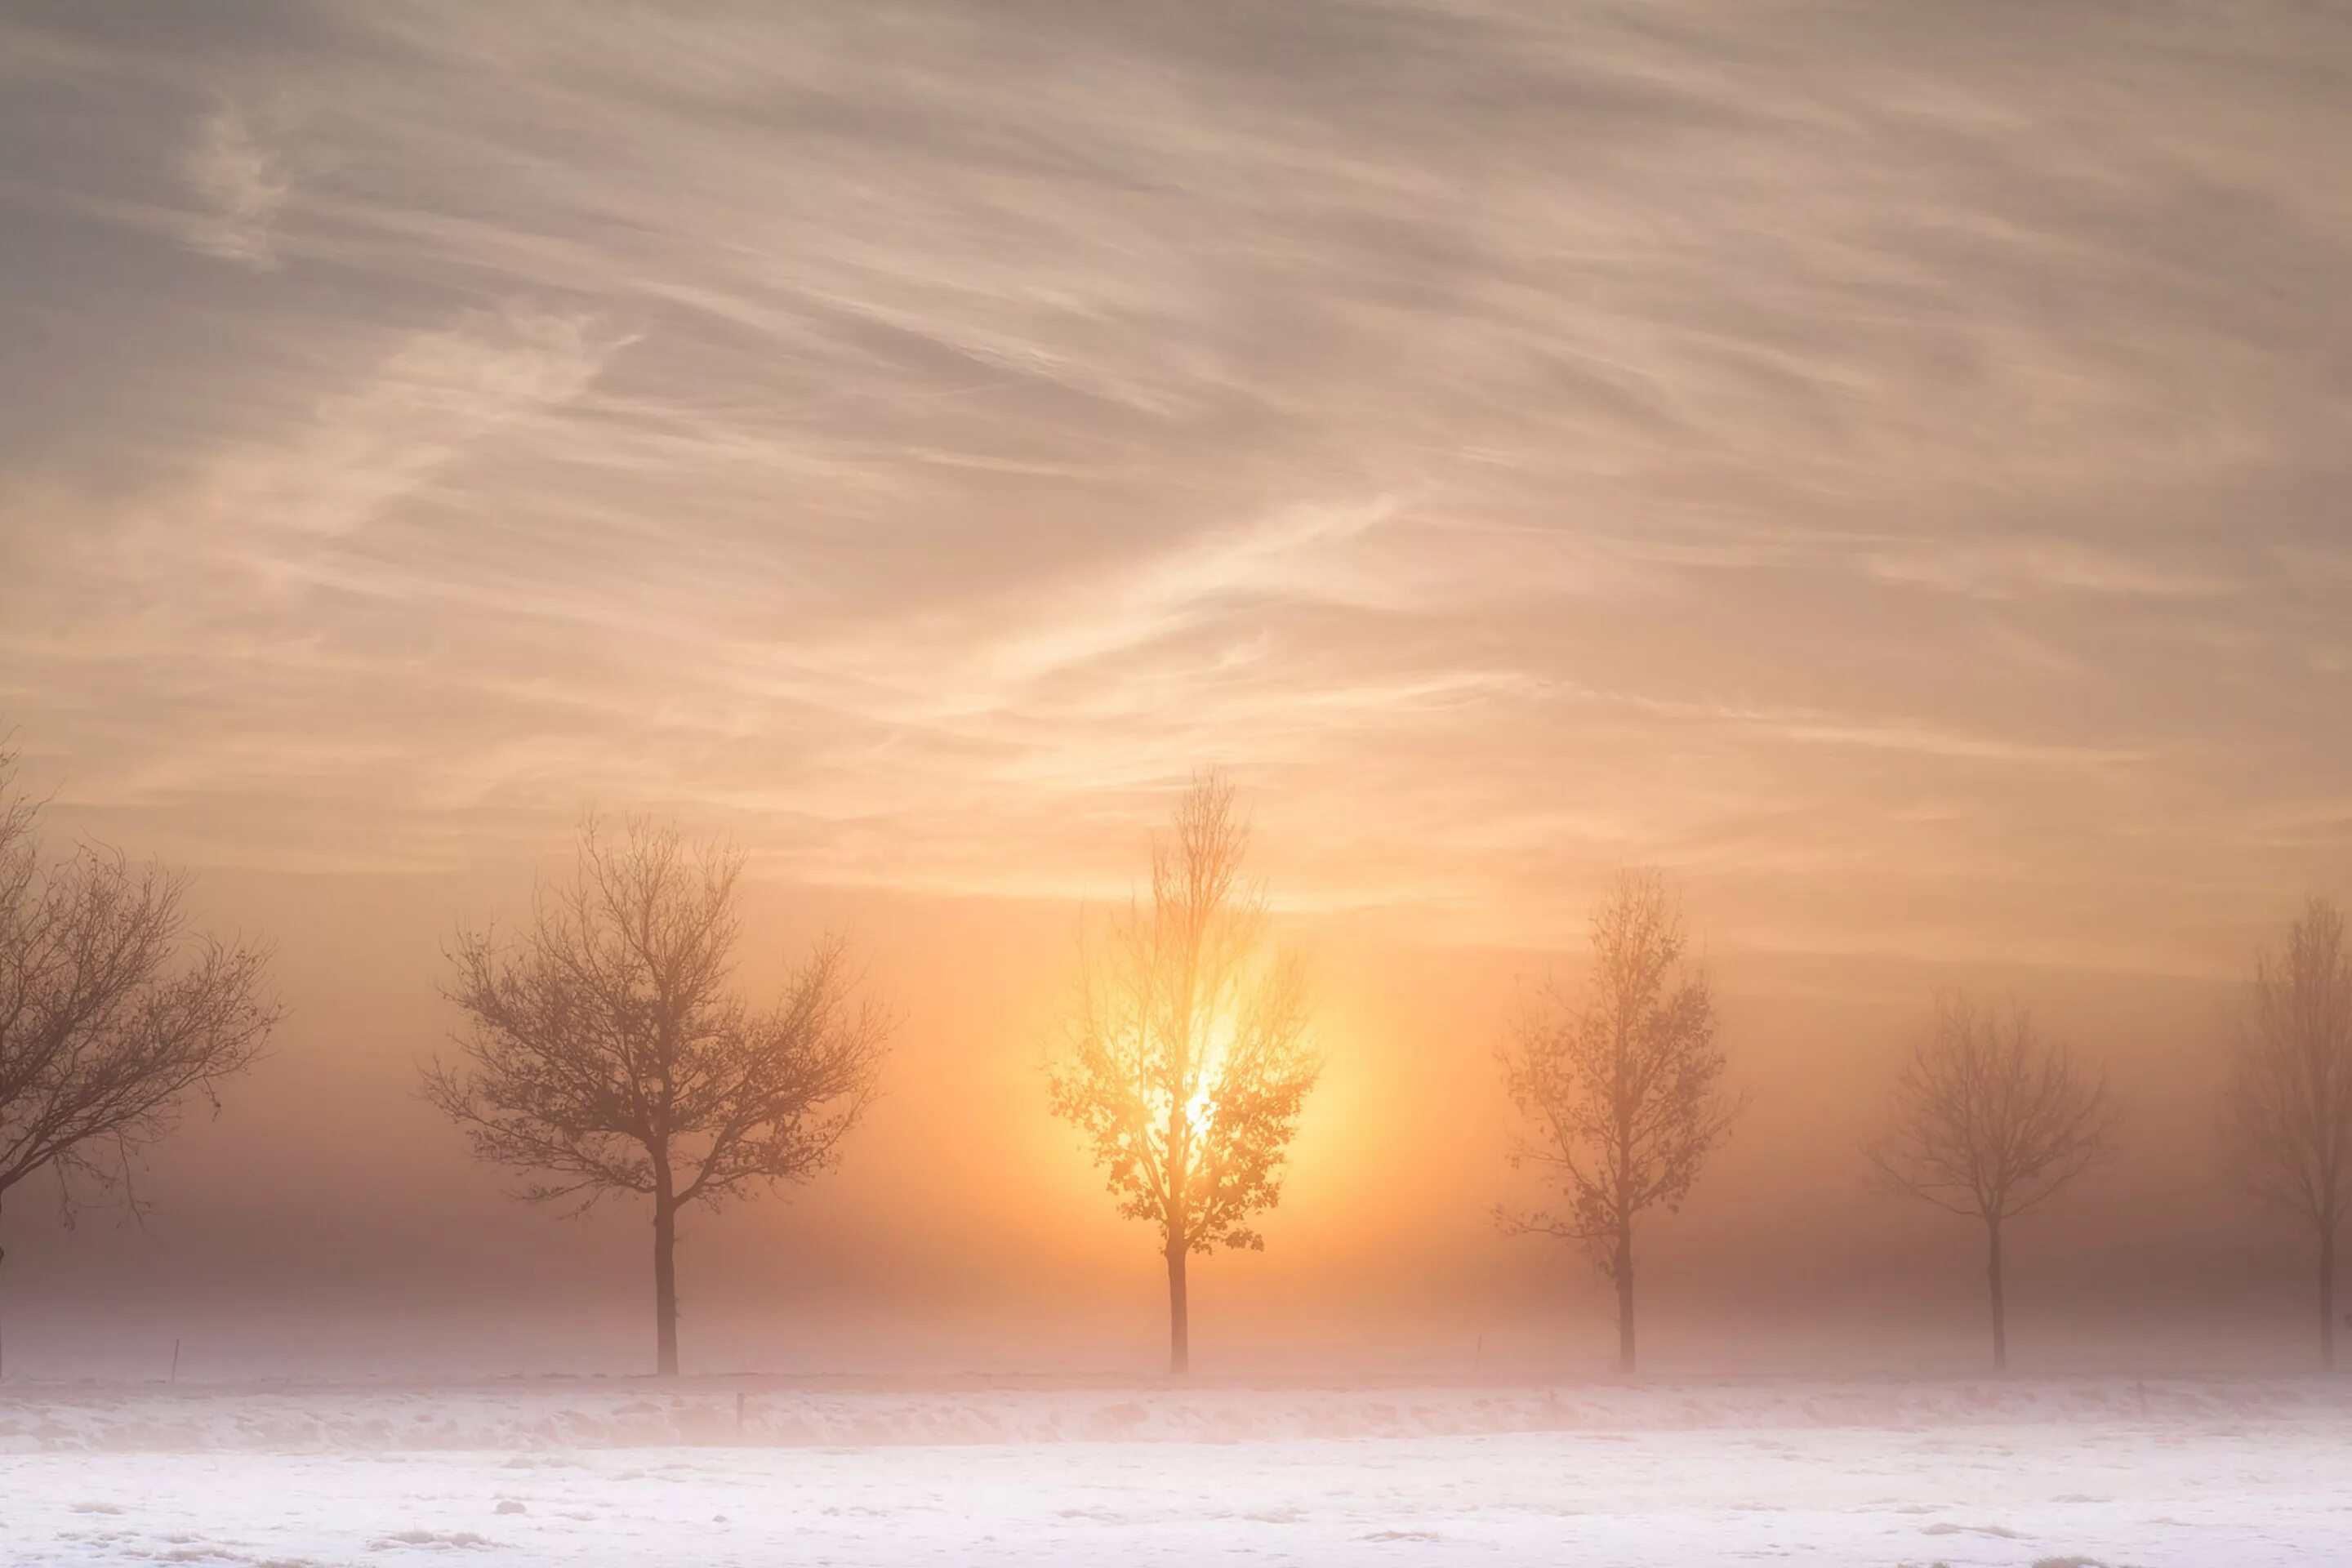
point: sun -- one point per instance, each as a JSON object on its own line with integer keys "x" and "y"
{"x": 1200, "y": 1109}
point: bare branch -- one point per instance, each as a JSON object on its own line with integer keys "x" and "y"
{"x": 2287, "y": 1111}
{"x": 1991, "y": 1119}
{"x": 113, "y": 1019}
{"x": 602, "y": 1049}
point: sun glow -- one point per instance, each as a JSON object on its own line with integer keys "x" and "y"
{"x": 1208, "y": 1076}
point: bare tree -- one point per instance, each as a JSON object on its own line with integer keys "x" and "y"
{"x": 2287, "y": 1114}
{"x": 1186, "y": 1059}
{"x": 1991, "y": 1121}
{"x": 603, "y": 1049}
{"x": 1622, "y": 1086}
{"x": 113, "y": 1019}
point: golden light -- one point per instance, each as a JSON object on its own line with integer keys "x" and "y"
{"x": 1202, "y": 1108}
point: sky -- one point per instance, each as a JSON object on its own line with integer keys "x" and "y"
{"x": 1883, "y": 464}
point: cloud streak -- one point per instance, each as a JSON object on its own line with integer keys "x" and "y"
{"x": 241, "y": 185}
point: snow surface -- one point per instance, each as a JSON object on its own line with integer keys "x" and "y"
{"x": 2210, "y": 1472}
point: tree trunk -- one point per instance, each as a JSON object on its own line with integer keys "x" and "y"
{"x": 664, "y": 1286}
{"x": 2327, "y": 1296}
{"x": 1180, "y": 1327}
{"x": 2000, "y": 1313}
{"x": 1624, "y": 1270}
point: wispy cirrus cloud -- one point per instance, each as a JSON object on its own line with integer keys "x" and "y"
{"x": 434, "y": 399}
{"x": 1523, "y": 438}
{"x": 239, "y": 182}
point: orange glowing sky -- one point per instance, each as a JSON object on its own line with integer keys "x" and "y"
{"x": 1885, "y": 465}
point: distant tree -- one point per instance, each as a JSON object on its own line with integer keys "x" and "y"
{"x": 1622, "y": 1086}
{"x": 603, "y": 1049}
{"x": 1186, "y": 1059}
{"x": 112, "y": 1018}
{"x": 1991, "y": 1121}
{"x": 2287, "y": 1113}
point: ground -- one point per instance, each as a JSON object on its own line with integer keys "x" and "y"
{"x": 2214, "y": 1473}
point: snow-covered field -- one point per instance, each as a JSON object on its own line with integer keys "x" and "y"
{"x": 2209, "y": 1472}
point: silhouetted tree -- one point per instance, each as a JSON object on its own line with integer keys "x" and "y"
{"x": 1622, "y": 1086}
{"x": 2287, "y": 1115}
{"x": 112, "y": 1018}
{"x": 1186, "y": 1059}
{"x": 602, "y": 1048}
{"x": 1991, "y": 1121}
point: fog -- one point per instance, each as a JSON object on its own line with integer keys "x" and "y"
{"x": 329, "y": 1223}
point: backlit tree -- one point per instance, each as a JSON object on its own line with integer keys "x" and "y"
{"x": 2287, "y": 1114}
{"x": 114, "y": 1019}
{"x": 1620, "y": 1086}
{"x": 1186, "y": 1058}
{"x": 603, "y": 1050}
{"x": 1992, "y": 1121}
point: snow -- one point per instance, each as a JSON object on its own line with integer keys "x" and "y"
{"x": 2192, "y": 1472}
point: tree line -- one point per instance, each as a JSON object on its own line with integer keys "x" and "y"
{"x": 602, "y": 1050}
